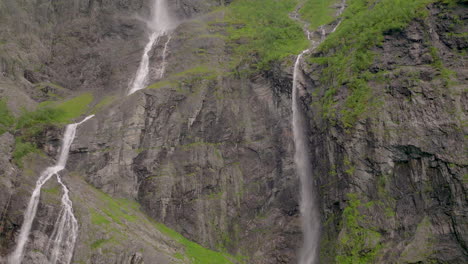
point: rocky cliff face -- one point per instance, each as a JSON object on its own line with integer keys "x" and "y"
{"x": 394, "y": 184}
{"x": 204, "y": 152}
{"x": 208, "y": 151}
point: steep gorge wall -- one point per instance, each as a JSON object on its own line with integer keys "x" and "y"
{"x": 393, "y": 184}
{"x": 209, "y": 152}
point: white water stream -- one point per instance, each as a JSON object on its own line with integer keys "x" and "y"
{"x": 308, "y": 202}
{"x": 160, "y": 25}
{"x": 309, "y": 210}
{"x": 62, "y": 241}
{"x": 66, "y": 229}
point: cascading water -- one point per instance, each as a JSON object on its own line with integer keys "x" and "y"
{"x": 160, "y": 24}
{"x": 309, "y": 210}
{"x": 62, "y": 241}
{"x": 66, "y": 228}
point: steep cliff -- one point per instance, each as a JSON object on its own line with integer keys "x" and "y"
{"x": 207, "y": 150}
{"x": 387, "y": 100}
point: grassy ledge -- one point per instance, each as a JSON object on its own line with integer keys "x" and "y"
{"x": 110, "y": 215}
{"x": 193, "y": 251}
{"x": 261, "y": 32}
{"x": 348, "y": 56}
{"x": 28, "y": 127}
{"x": 318, "y": 12}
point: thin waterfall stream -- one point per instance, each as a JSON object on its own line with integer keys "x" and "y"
{"x": 65, "y": 232}
{"x": 160, "y": 25}
{"x": 62, "y": 241}
{"x": 308, "y": 198}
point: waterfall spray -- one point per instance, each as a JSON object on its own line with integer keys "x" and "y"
{"x": 159, "y": 25}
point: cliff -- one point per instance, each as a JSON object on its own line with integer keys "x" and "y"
{"x": 199, "y": 166}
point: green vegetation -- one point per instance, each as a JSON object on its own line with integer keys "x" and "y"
{"x": 193, "y": 251}
{"x": 348, "y": 55}
{"x": 261, "y": 31}
{"x": 97, "y": 218}
{"x": 74, "y": 108}
{"x": 115, "y": 210}
{"x": 357, "y": 244}
{"x": 6, "y": 118}
{"x": 180, "y": 80}
{"x": 99, "y": 243}
{"x": 118, "y": 211}
{"x": 103, "y": 103}
{"x": 53, "y": 190}
{"x": 22, "y": 149}
{"x": 445, "y": 73}
{"x": 318, "y": 12}
{"x": 31, "y": 124}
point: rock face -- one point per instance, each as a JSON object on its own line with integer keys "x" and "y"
{"x": 401, "y": 171}
{"x": 209, "y": 152}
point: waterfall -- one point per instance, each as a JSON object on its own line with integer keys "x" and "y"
{"x": 66, "y": 228}
{"x": 308, "y": 201}
{"x": 309, "y": 210}
{"x": 159, "y": 25}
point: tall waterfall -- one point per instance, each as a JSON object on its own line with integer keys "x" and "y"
{"x": 65, "y": 232}
{"x": 309, "y": 205}
{"x": 160, "y": 24}
{"x": 309, "y": 210}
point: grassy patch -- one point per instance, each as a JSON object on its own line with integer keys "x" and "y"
{"x": 357, "y": 244}
{"x": 22, "y": 149}
{"x": 103, "y": 103}
{"x": 347, "y": 54}
{"x": 318, "y": 12}
{"x": 97, "y": 218}
{"x": 261, "y": 31}
{"x": 115, "y": 210}
{"x": 6, "y": 118}
{"x": 99, "y": 243}
{"x": 30, "y": 125}
{"x": 193, "y": 251}
{"x": 161, "y": 84}
{"x": 54, "y": 190}
{"x": 75, "y": 107}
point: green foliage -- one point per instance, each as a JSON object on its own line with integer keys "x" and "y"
{"x": 446, "y": 74}
{"x": 357, "y": 244}
{"x": 261, "y": 31}
{"x": 348, "y": 52}
{"x": 318, "y": 12}
{"x": 54, "y": 190}
{"x": 193, "y": 251}
{"x": 97, "y": 218}
{"x": 31, "y": 124}
{"x": 6, "y": 118}
{"x": 103, "y": 103}
{"x": 22, "y": 149}
{"x": 99, "y": 243}
{"x": 115, "y": 210}
{"x": 74, "y": 108}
